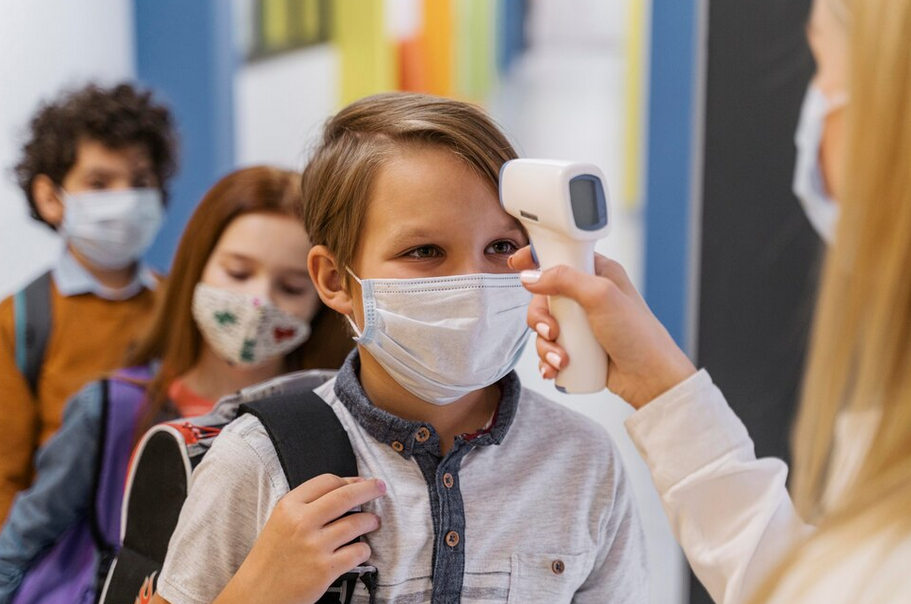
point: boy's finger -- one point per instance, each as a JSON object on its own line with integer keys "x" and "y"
{"x": 350, "y": 527}
{"x": 318, "y": 487}
{"x": 352, "y": 555}
{"x": 522, "y": 260}
{"x": 341, "y": 501}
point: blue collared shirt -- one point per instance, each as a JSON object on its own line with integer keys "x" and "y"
{"x": 72, "y": 279}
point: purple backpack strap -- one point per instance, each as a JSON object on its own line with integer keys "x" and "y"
{"x": 123, "y": 405}
{"x": 69, "y": 571}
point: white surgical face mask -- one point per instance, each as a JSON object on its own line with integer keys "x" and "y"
{"x": 809, "y": 184}
{"x": 112, "y": 229}
{"x": 243, "y": 329}
{"x": 443, "y": 337}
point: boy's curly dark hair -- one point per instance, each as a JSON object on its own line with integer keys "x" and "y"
{"x": 115, "y": 117}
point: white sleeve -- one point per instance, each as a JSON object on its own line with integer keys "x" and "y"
{"x": 229, "y": 501}
{"x": 729, "y": 511}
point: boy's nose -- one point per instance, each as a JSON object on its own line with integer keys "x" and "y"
{"x": 469, "y": 266}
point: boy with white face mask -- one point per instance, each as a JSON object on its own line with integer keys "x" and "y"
{"x": 95, "y": 169}
{"x": 473, "y": 489}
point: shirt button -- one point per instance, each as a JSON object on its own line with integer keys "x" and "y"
{"x": 422, "y": 435}
{"x": 397, "y": 446}
{"x": 558, "y": 567}
{"x": 452, "y": 538}
{"x": 448, "y": 480}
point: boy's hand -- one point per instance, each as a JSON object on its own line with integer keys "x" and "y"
{"x": 644, "y": 360}
{"x": 304, "y": 546}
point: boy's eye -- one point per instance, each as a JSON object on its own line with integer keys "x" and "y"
{"x": 502, "y": 247}
{"x": 423, "y": 252}
{"x": 98, "y": 185}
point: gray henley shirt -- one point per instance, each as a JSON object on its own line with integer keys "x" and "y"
{"x": 537, "y": 508}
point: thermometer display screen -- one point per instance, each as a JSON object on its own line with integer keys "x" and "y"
{"x": 583, "y": 195}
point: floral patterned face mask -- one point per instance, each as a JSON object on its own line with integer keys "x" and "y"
{"x": 243, "y": 329}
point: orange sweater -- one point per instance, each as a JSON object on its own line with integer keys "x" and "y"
{"x": 89, "y": 337}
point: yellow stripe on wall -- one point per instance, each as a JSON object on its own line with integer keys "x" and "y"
{"x": 474, "y": 42}
{"x": 367, "y": 56}
{"x": 275, "y": 23}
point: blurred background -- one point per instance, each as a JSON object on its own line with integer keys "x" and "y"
{"x": 689, "y": 107}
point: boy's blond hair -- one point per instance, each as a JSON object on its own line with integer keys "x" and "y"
{"x": 363, "y": 136}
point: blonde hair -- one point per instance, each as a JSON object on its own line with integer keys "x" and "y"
{"x": 860, "y": 355}
{"x": 363, "y": 136}
{"x": 840, "y": 9}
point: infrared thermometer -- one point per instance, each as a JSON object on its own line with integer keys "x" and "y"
{"x": 565, "y": 208}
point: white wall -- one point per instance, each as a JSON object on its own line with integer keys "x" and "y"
{"x": 281, "y": 104}
{"x": 46, "y": 46}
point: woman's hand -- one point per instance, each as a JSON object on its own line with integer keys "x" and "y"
{"x": 304, "y": 546}
{"x": 644, "y": 360}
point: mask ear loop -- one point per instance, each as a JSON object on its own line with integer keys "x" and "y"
{"x": 351, "y": 321}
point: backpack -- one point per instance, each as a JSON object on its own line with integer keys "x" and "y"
{"x": 32, "y": 316}
{"x": 308, "y": 439}
{"x": 73, "y": 568}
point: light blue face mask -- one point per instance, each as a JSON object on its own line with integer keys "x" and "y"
{"x": 809, "y": 184}
{"x": 443, "y": 337}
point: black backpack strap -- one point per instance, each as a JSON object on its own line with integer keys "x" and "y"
{"x": 32, "y": 313}
{"x": 308, "y": 437}
{"x": 310, "y": 440}
{"x": 106, "y": 551}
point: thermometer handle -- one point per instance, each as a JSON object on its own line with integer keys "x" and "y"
{"x": 587, "y": 368}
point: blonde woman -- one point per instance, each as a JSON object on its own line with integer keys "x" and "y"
{"x": 846, "y": 534}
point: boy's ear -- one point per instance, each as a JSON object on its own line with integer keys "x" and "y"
{"x": 329, "y": 281}
{"x": 47, "y": 200}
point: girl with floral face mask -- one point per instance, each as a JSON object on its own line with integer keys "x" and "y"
{"x": 239, "y": 309}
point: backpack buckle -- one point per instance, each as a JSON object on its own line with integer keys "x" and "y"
{"x": 342, "y": 590}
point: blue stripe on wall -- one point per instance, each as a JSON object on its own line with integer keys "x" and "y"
{"x": 185, "y": 52}
{"x": 669, "y": 183}
{"x": 511, "y": 38}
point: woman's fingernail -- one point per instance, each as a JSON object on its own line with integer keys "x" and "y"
{"x": 543, "y": 370}
{"x": 543, "y": 330}
{"x": 381, "y": 485}
{"x": 554, "y": 359}
{"x": 530, "y": 276}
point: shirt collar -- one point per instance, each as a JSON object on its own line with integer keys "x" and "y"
{"x": 72, "y": 279}
{"x": 390, "y": 429}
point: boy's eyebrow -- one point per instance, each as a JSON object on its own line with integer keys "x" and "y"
{"x": 107, "y": 172}
{"x": 99, "y": 172}
{"x": 407, "y": 234}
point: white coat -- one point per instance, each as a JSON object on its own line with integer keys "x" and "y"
{"x": 732, "y": 514}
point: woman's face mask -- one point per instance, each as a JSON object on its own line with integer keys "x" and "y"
{"x": 809, "y": 178}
